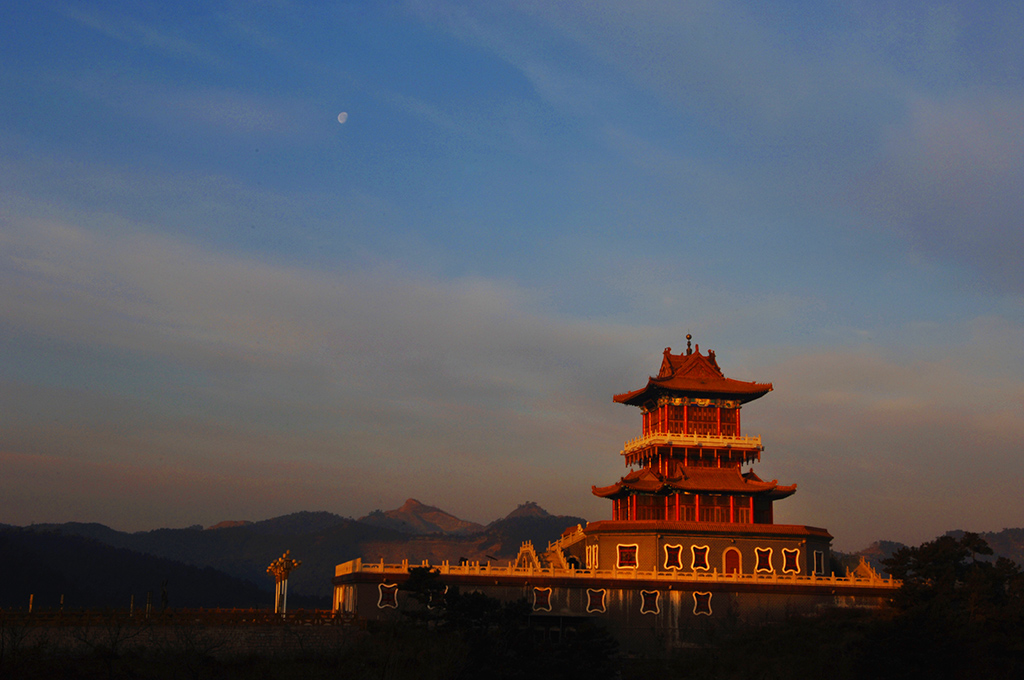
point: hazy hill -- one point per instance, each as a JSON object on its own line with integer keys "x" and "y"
{"x": 1008, "y": 543}
{"x": 416, "y": 518}
{"x": 498, "y": 542}
{"x": 321, "y": 540}
{"x": 48, "y": 564}
{"x": 527, "y": 509}
{"x": 227, "y": 524}
{"x": 530, "y": 522}
{"x": 874, "y": 554}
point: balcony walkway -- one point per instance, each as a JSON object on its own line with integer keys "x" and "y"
{"x": 695, "y": 440}
{"x": 668, "y": 577}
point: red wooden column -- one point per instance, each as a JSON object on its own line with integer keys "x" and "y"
{"x": 751, "y": 509}
{"x": 696, "y": 507}
{"x": 732, "y": 509}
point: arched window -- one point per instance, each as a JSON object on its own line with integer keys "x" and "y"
{"x": 732, "y": 561}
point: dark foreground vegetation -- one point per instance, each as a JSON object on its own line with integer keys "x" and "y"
{"x": 958, "y": 615}
{"x": 83, "y": 572}
{"x": 479, "y": 638}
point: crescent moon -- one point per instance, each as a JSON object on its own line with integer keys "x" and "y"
{"x": 342, "y": 117}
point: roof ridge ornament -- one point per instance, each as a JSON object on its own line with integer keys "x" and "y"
{"x": 695, "y": 376}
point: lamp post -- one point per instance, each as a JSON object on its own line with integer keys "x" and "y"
{"x": 280, "y": 569}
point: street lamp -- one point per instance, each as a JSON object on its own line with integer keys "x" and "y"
{"x": 280, "y": 569}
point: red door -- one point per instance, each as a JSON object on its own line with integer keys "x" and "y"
{"x": 732, "y": 561}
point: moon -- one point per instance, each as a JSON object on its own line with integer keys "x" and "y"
{"x": 342, "y": 117}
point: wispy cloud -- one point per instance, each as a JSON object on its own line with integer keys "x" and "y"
{"x": 374, "y": 362}
{"x": 868, "y": 423}
{"x": 132, "y": 31}
{"x": 219, "y": 112}
{"x": 908, "y": 117}
{"x": 950, "y": 179}
{"x": 412, "y": 383}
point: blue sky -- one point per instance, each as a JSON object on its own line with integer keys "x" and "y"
{"x": 218, "y": 302}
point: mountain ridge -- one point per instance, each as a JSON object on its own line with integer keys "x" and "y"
{"x": 415, "y": 517}
{"x": 414, "y": 531}
{"x": 322, "y": 540}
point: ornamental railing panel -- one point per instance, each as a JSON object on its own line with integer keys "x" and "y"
{"x": 673, "y": 575}
{"x": 701, "y": 440}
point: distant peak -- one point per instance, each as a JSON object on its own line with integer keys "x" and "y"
{"x": 417, "y": 518}
{"x": 228, "y": 524}
{"x": 528, "y": 509}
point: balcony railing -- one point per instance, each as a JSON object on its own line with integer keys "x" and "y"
{"x": 672, "y": 576}
{"x": 680, "y": 439}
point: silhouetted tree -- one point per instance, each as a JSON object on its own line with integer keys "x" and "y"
{"x": 955, "y": 613}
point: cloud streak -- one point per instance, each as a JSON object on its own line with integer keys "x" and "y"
{"x": 207, "y": 283}
{"x": 382, "y": 380}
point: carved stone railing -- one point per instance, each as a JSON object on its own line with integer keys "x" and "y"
{"x": 680, "y": 439}
{"x": 670, "y": 576}
{"x": 569, "y": 538}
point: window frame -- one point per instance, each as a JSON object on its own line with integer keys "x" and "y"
{"x": 645, "y": 601}
{"x": 619, "y": 555}
{"x": 678, "y": 548}
{"x": 702, "y": 603}
{"x": 706, "y": 550}
{"x": 390, "y": 601}
{"x": 541, "y": 599}
{"x": 601, "y": 595}
{"x": 791, "y": 560}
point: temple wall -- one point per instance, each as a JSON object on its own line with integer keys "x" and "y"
{"x": 643, "y": 621}
{"x": 651, "y": 553}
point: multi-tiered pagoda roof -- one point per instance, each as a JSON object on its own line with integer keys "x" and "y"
{"x": 691, "y": 451}
{"x": 694, "y": 375}
{"x": 695, "y": 480}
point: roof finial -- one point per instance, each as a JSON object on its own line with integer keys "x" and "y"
{"x": 689, "y": 350}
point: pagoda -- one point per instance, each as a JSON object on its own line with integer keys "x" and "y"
{"x": 691, "y": 449}
{"x": 692, "y": 540}
{"x": 687, "y": 502}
